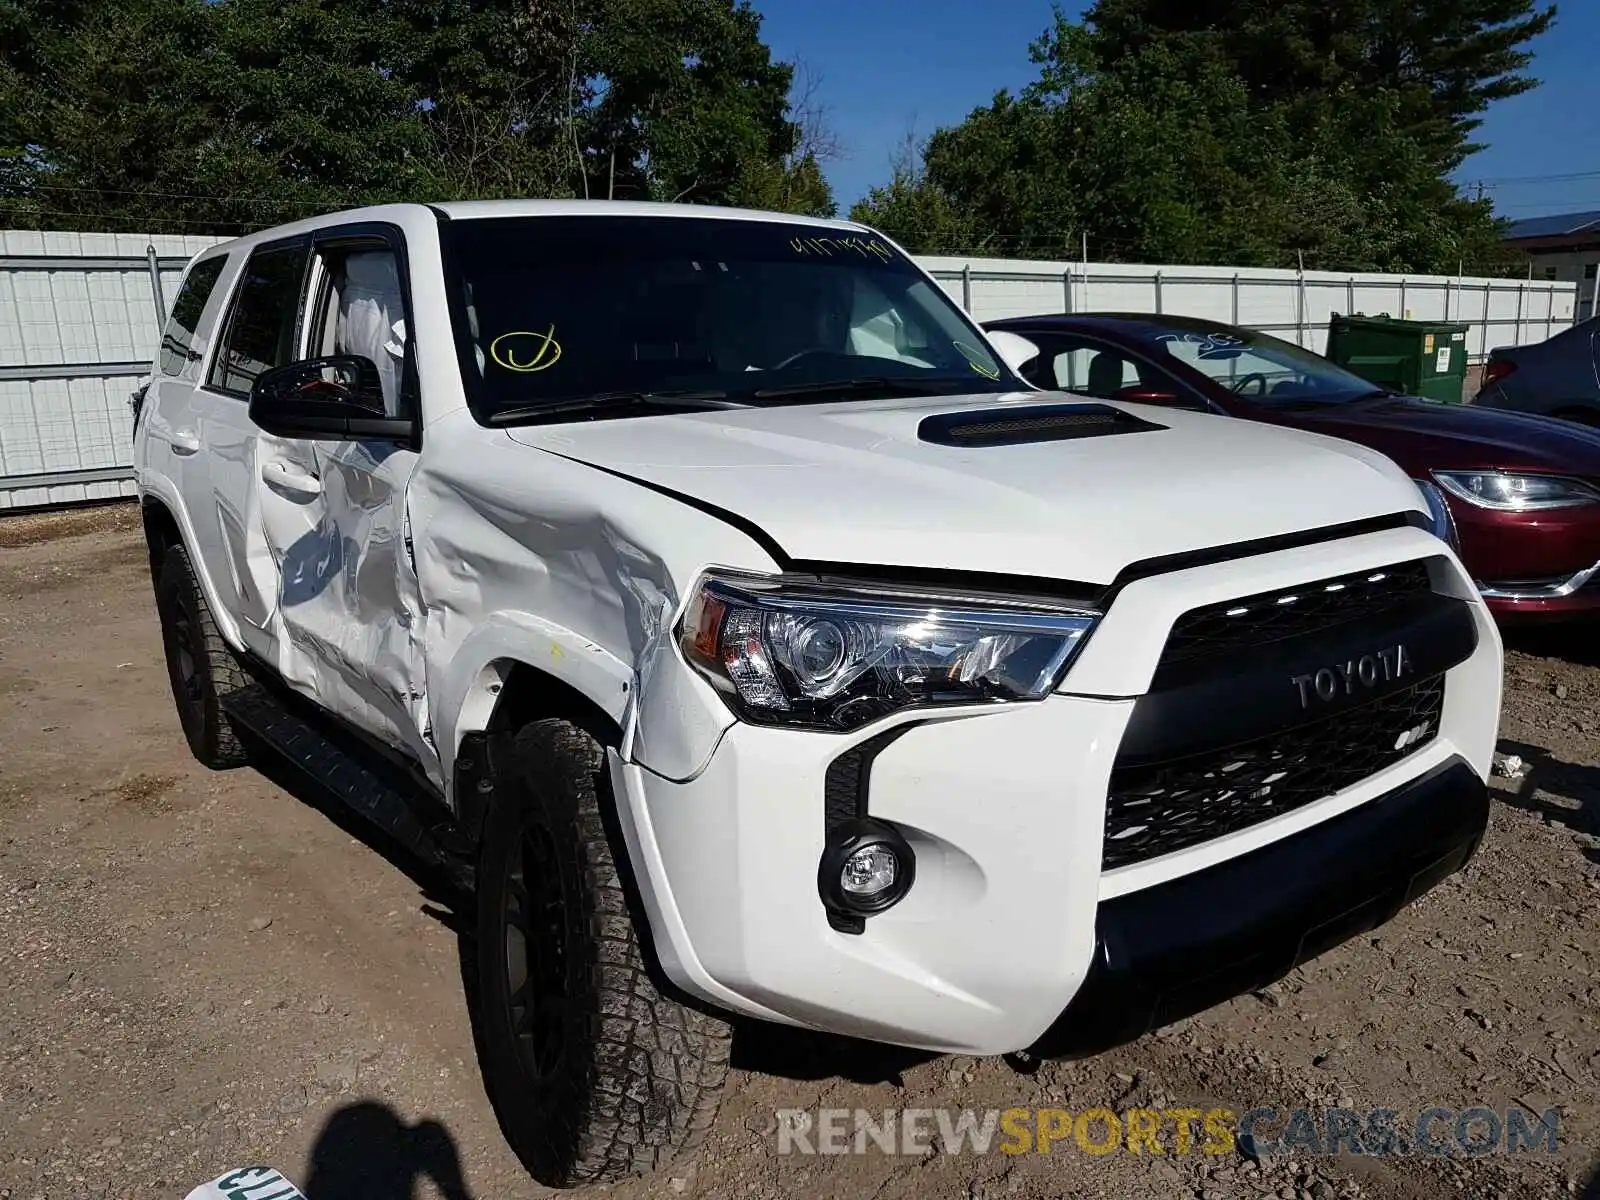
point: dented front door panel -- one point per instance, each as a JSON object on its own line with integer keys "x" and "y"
{"x": 348, "y": 611}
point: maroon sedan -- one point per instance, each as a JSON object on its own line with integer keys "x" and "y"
{"x": 1524, "y": 491}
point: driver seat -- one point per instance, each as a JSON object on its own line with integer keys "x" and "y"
{"x": 1105, "y": 375}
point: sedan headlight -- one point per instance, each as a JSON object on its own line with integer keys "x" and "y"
{"x": 1505, "y": 492}
{"x": 789, "y": 653}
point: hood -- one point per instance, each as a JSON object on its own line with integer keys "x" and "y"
{"x": 1423, "y": 435}
{"x": 857, "y": 482}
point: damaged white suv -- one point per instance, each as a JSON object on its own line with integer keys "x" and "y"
{"x": 704, "y": 590}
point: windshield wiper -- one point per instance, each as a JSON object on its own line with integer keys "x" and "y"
{"x": 886, "y": 385}
{"x": 693, "y": 398}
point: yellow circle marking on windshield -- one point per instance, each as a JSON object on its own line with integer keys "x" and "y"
{"x": 975, "y": 360}
{"x": 546, "y": 350}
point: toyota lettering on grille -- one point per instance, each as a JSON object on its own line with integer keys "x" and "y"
{"x": 1342, "y": 679}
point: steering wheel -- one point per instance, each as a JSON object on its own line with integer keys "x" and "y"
{"x": 802, "y": 355}
{"x": 1255, "y": 376}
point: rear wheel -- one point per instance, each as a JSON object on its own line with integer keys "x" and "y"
{"x": 200, "y": 666}
{"x": 595, "y": 1074}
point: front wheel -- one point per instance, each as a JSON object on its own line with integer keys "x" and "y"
{"x": 595, "y": 1074}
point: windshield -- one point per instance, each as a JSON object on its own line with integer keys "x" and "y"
{"x": 552, "y": 310}
{"x": 1256, "y": 367}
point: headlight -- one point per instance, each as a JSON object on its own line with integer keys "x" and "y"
{"x": 786, "y": 653}
{"x": 1516, "y": 493}
{"x": 1444, "y": 525}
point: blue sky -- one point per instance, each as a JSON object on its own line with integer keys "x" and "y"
{"x": 887, "y": 66}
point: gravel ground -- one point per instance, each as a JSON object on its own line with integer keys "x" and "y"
{"x": 202, "y": 970}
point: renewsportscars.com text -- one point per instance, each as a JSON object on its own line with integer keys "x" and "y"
{"x": 917, "y": 1132}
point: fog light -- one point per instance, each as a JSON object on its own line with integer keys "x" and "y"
{"x": 868, "y": 871}
{"x": 866, "y": 867}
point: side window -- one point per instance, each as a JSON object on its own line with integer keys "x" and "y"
{"x": 1088, "y": 369}
{"x": 179, "y": 354}
{"x": 360, "y": 309}
{"x": 261, "y": 326}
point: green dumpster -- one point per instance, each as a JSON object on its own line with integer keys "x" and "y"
{"x": 1417, "y": 358}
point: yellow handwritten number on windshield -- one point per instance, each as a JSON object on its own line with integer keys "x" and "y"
{"x": 540, "y": 352}
{"x": 977, "y": 360}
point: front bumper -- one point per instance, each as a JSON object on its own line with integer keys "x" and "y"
{"x": 1006, "y": 809}
{"x": 1570, "y": 595}
{"x": 1537, "y": 564}
{"x": 1171, "y": 951}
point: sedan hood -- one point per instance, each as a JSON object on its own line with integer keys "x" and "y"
{"x": 1423, "y": 435}
{"x": 856, "y": 483}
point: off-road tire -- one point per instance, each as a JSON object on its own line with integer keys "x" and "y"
{"x": 200, "y": 667}
{"x": 595, "y": 1075}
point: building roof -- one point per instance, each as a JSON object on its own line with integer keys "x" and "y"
{"x": 1560, "y": 225}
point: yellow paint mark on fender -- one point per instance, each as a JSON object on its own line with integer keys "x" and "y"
{"x": 545, "y": 350}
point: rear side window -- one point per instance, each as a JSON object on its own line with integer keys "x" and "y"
{"x": 260, "y": 332}
{"x": 179, "y": 352}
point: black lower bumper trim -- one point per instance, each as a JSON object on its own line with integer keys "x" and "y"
{"x": 1170, "y": 951}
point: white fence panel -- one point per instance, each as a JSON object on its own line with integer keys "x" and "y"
{"x": 1288, "y": 304}
{"x": 78, "y": 328}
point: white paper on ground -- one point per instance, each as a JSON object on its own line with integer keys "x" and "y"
{"x": 247, "y": 1183}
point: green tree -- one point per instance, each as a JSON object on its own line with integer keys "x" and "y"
{"x": 1161, "y": 150}
{"x": 691, "y": 106}
{"x": 1443, "y": 61}
{"x": 221, "y": 115}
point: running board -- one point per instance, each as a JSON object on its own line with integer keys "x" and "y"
{"x": 344, "y": 774}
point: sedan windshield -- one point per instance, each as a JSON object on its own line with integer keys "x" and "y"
{"x": 565, "y": 315}
{"x": 1255, "y": 367}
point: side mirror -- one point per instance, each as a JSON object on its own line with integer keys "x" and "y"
{"x": 1014, "y": 349}
{"x": 326, "y": 399}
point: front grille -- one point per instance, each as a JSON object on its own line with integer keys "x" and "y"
{"x": 1158, "y": 809}
{"x": 1310, "y": 608}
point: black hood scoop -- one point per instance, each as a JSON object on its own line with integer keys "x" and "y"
{"x": 1020, "y": 424}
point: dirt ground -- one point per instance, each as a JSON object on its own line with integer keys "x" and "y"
{"x": 203, "y": 970}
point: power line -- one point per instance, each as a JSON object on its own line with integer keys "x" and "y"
{"x": 1516, "y": 180}
{"x": 138, "y": 221}
{"x": 1595, "y": 203}
{"x": 231, "y": 199}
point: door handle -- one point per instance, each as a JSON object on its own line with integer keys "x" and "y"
{"x": 291, "y": 479}
{"x": 185, "y": 441}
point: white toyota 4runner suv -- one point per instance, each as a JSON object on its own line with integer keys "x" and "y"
{"x": 706, "y": 592}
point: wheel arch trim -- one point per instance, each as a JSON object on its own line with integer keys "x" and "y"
{"x": 159, "y": 491}
{"x": 474, "y": 682}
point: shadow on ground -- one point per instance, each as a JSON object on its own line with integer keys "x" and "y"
{"x": 1555, "y": 790}
{"x": 397, "y": 1153}
{"x": 442, "y": 900}
{"x": 800, "y": 1054}
{"x": 1571, "y": 641}
{"x": 366, "y": 1152}
{"x": 1591, "y": 1183}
